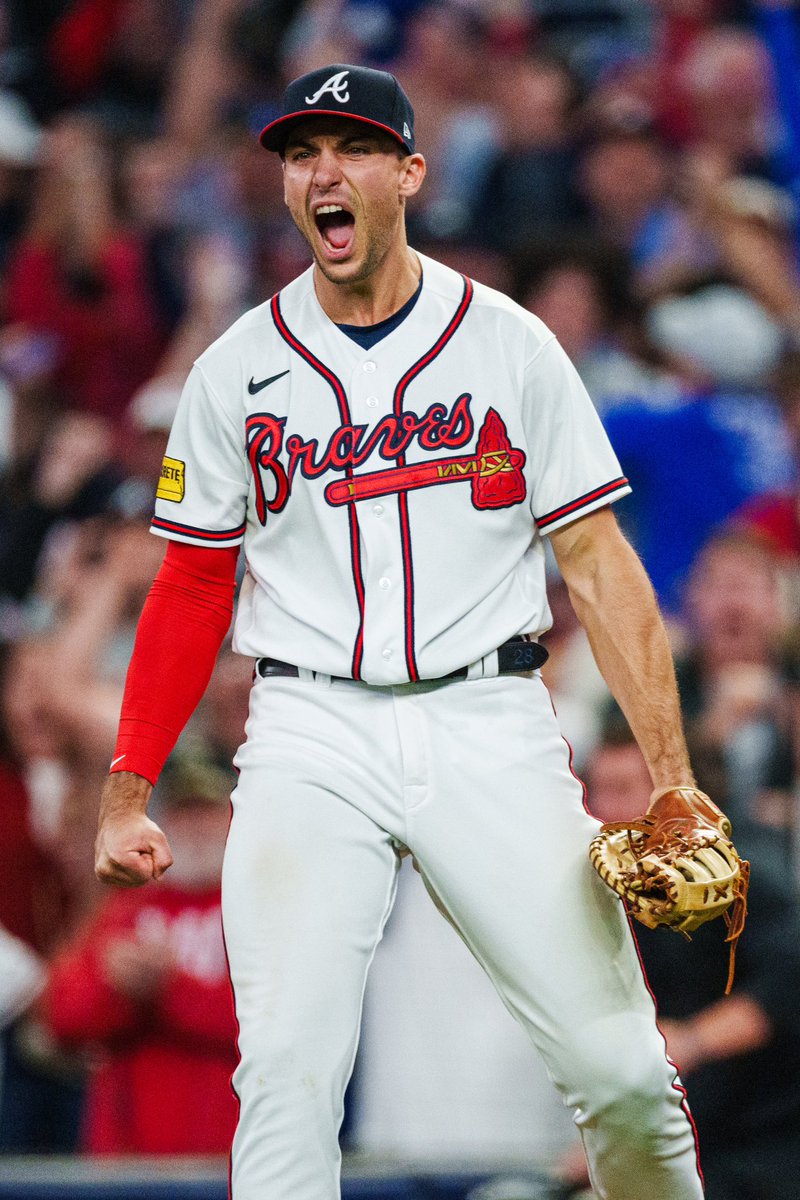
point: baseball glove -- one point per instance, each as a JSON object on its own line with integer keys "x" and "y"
{"x": 676, "y": 865}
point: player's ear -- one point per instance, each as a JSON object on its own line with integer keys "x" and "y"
{"x": 412, "y": 173}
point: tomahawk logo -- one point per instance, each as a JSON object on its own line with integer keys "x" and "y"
{"x": 336, "y": 85}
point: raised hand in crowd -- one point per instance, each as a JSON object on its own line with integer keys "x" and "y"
{"x": 78, "y": 448}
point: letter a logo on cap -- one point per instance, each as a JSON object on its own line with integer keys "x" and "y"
{"x": 336, "y": 85}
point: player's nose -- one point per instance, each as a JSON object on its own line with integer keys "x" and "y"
{"x": 327, "y": 168}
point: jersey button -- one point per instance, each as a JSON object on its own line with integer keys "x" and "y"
{"x": 372, "y": 401}
{"x": 369, "y": 367}
{"x": 387, "y": 653}
{"x": 378, "y": 510}
{"x": 384, "y": 584}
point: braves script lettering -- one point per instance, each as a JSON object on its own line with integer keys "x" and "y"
{"x": 348, "y": 447}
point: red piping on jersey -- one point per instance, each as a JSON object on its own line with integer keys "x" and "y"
{"x": 237, "y": 1097}
{"x": 581, "y": 502}
{"x": 678, "y": 1087}
{"x": 344, "y": 416}
{"x": 675, "y": 1085}
{"x": 570, "y": 764}
{"x": 402, "y": 497}
{"x": 194, "y": 531}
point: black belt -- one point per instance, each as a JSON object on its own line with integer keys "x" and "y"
{"x": 515, "y": 655}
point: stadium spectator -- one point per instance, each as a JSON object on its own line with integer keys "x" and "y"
{"x": 20, "y": 144}
{"x": 444, "y": 66}
{"x": 530, "y": 187}
{"x": 139, "y": 217}
{"x": 628, "y": 181}
{"x": 776, "y": 515}
{"x": 219, "y": 724}
{"x": 723, "y": 436}
{"x": 115, "y": 57}
{"x": 739, "y": 1055}
{"x": 751, "y": 224}
{"x": 577, "y": 688}
{"x": 581, "y": 287}
{"x": 68, "y": 477}
{"x": 776, "y": 21}
{"x": 82, "y": 618}
{"x": 32, "y": 900}
{"x": 734, "y": 679}
{"x": 144, "y": 987}
{"x": 24, "y": 1127}
{"x": 148, "y": 420}
{"x": 595, "y": 36}
{"x": 725, "y": 80}
{"x": 39, "y": 1099}
{"x": 78, "y": 274}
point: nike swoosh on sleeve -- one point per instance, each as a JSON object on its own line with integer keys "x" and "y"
{"x": 116, "y": 760}
{"x": 254, "y": 387}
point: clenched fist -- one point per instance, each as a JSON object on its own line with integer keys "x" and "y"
{"x": 130, "y": 849}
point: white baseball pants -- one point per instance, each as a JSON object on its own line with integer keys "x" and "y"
{"x": 474, "y": 778}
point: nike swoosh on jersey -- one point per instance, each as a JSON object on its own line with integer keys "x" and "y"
{"x": 116, "y": 760}
{"x": 253, "y": 387}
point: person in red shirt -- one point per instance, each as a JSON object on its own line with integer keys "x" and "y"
{"x": 144, "y": 987}
{"x": 80, "y": 275}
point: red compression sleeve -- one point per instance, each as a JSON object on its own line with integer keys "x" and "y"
{"x": 185, "y": 617}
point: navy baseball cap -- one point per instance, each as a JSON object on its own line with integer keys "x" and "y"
{"x": 360, "y": 93}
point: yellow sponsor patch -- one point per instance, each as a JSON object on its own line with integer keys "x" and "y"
{"x": 171, "y": 485}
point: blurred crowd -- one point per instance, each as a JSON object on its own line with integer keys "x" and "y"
{"x": 629, "y": 170}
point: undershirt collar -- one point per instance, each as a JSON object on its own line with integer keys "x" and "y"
{"x": 367, "y": 335}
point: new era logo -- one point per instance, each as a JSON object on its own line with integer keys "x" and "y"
{"x": 406, "y": 131}
{"x": 336, "y": 85}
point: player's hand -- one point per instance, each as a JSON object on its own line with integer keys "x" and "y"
{"x": 130, "y": 848}
{"x": 130, "y": 851}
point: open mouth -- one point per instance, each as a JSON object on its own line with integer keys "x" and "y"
{"x": 337, "y": 229}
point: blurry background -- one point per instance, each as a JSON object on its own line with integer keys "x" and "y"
{"x": 630, "y": 171}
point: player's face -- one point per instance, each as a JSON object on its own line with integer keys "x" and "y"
{"x": 345, "y": 185}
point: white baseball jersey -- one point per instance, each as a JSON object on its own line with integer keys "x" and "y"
{"x": 392, "y": 501}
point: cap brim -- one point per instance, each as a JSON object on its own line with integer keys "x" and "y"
{"x": 275, "y": 135}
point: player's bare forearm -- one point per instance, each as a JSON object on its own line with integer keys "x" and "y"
{"x": 616, "y": 605}
{"x": 130, "y": 849}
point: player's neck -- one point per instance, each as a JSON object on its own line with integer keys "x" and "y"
{"x": 374, "y": 299}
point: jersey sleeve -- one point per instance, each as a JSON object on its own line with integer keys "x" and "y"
{"x": 202, "y": 494}
{"x": 574, "y": 467}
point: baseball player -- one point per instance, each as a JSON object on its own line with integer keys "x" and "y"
{"x": 392, "y": 443}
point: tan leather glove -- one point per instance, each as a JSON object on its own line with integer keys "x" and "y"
{"x": 676, "y": 865}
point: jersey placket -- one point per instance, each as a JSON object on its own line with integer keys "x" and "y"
{"x": 390, "y": 640}
{"x": 371, "y": 391}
